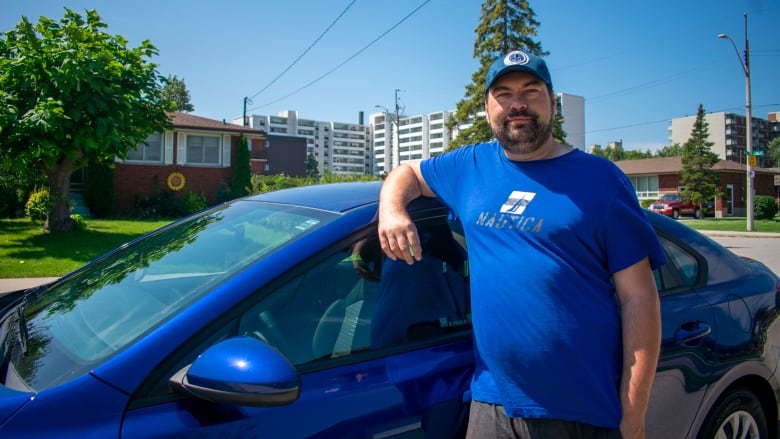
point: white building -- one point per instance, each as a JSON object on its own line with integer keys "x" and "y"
{"x": 572, "y": 108}
{"x": 339, "y": 147}
{"x": 412, "y": 138}
{"x": 728, "y": 133}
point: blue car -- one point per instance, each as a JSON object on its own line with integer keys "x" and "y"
{"x": 277, "y": 315}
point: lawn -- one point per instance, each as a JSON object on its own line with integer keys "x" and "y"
{"x": 27, "y": 250}
{"x": 733, "y": 224}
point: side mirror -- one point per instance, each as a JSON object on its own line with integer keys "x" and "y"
{"x": 240, "y": 371}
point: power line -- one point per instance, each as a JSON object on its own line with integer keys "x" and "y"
{"x": 307, "y": 49}
{"x": 346, "y": 60}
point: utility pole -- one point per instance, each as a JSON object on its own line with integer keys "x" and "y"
{"x": 748, "y": 123}
{"x": 397, "y": 129}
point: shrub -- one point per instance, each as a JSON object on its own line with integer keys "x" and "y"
{"x": 159, "y": 204}
{"x": 37, "y": 206}
{"x": 764, "y": 207}
{"x": 646, "y": 203}
{"x": 194, "y": 202}
{"x": 78, "y": 222}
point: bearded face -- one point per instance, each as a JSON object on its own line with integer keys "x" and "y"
{"x": 522, "y": 137}
{"x": 520, "y": 110}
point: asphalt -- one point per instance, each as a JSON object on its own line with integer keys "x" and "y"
{"x": 8, "y": 285}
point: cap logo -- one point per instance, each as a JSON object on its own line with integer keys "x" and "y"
{"x": 516, "y": 58}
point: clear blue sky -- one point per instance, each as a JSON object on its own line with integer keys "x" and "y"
{"x": 638, "y": 64}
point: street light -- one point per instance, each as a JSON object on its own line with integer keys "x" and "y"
{"x": 749, "y": 121}
{"x": 389, "y": 155}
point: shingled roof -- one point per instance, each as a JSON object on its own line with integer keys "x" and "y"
{"x": 185, "y": 120}
{"x": 673, "y": 165}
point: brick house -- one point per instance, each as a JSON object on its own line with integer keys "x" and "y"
{"x": 196, "y": 155}
{"x": 654, "y": 176}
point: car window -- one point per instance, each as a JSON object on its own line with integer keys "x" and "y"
{"x": 357, "y": 300}
{"x": 681, "y": 270}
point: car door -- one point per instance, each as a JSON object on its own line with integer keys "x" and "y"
{"x": 687, "y": 342}
{"x": 382, "y": 349}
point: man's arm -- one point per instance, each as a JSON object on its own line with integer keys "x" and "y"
{"x": 641, "y": 329}
{"x": 397, "y": 233}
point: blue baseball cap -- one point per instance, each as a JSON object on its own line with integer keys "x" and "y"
{"x": 517, "y": 61}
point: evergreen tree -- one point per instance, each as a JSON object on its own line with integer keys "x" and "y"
{"x": 504, "y": 25}
{"x": 175, "y": 90}
{"x": 774, "y": 154}
{"x": 311, "y": 167}
{"x": 700, "y": 181}
{"x": 242, "y": 174}
{"x": 674, "y": 150}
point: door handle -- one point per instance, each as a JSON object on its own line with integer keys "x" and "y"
{"x": 690, "y": 333}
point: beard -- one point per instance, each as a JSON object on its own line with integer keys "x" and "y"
{"x": 522, "y": 138}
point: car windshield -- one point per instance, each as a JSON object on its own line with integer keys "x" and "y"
{"x": 62, "y": 332}
{"x": 669, "y": 197}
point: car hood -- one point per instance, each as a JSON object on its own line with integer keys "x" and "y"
{"x": 11, "y": 401}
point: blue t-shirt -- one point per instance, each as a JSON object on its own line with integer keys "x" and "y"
{"x": 544, "y": 238}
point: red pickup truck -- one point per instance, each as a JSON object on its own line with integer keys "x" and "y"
{"x": 673, "y": 205}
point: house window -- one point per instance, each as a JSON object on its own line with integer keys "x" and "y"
{"x": 150, "y": 150}
{"x": 203, "y": 150}
{"x": 646, "y": 186}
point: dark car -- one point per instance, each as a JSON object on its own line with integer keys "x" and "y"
{"x": 277, "y": 315}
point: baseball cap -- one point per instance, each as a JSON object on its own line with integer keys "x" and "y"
{"x": 517, "y": 61}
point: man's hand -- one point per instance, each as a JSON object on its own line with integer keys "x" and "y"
{"x": 398, "y": 236}
{"x": 397, "y": 232}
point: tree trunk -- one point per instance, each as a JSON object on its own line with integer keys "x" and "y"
{"x": 59, "y": 211}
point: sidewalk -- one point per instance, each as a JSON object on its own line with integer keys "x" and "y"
{"x": 8, "y": 285}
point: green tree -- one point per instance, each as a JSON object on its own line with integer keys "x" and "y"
{"x": 598, "y": 150}
{"x": 312, "y": 170}
{"x": 73, "y": 94}
{"x": 633, "y": 154}
{"x": 700, "y": 181}
{"x": 242, "y": 173}
{"x": 504, "y": 25}
{"x": 558, "y": 132}
{"x": 774, "y": 154}
{"x": 674, "y": 150}
{"x": 175, "y": 90}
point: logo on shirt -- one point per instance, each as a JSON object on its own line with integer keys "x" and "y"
{"x": 516, "y": 203}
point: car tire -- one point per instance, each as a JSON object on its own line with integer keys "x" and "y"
{"x": 737, "y": 414}
{"x": 676, "y": 214}
{"x": 698, "y": 214}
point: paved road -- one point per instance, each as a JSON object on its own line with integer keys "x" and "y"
{"x": 766, "y": 250}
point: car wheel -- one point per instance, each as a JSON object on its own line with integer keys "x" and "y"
{"x": 737, "y": 414}
{"x": 698, "y": 214}
{"x": 676, "y": 214}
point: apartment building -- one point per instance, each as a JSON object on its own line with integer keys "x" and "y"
{"x": 728, "y": 133}
{"x": 338, "y": 147}
{"x": 572, "y": 108}
{"x": 412, "y": 138}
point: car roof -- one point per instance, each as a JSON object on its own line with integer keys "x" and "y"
{"x": 334, "y": 197}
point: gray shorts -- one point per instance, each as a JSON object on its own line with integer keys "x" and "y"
{"x": 490, "y": 421}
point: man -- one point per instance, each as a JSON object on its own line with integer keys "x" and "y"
{"x": 564, "y": 304}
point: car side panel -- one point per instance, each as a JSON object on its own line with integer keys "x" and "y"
{"x": 417, "y": 392}
{"x": 683, "y": 371}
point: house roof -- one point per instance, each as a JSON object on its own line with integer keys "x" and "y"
{"x": 185, "y": 120}
{"x": 673, "y": 165}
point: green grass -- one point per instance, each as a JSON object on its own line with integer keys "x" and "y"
{"x": 27, "y": 250}
{"x": 733, "y": 224}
